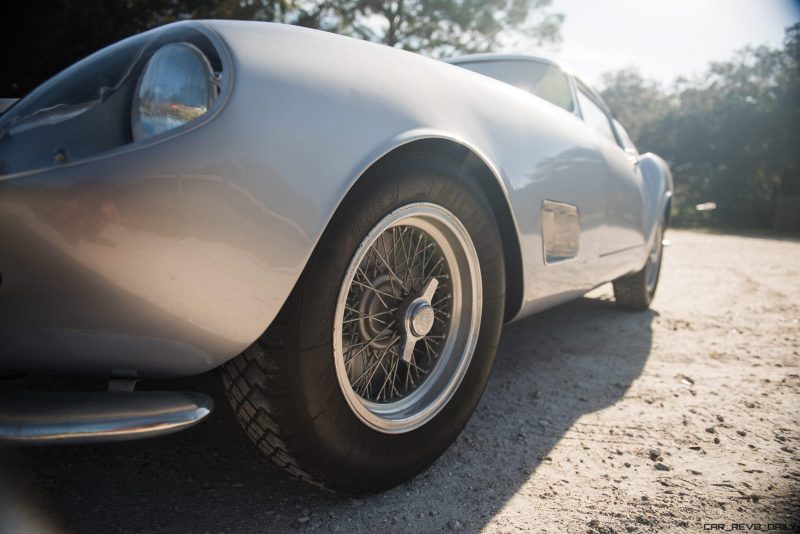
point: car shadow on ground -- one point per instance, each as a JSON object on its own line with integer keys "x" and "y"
{"x": 551, "y": 369}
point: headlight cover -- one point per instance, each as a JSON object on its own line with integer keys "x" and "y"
{"x": 177, "y": 86}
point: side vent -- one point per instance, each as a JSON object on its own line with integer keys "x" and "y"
{"x": 561, "y": 231}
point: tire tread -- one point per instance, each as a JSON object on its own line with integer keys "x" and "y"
{"x": 630, "y": 291}
{"x": 250, "y": 381}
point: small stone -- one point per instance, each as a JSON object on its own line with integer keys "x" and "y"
{"x": 711, "y": 430}
{"x": 720, "y": 419}
{"x": 627, "y": 464}
{"x": 716, "y": 440}
{"x": 304, "y": 519}
{"x": 695, "y": 472}
{"x": 655, "y": 452}
{"x": 741, "y": 433}
{"x": 662, "y": 466}
{"x": 454, "y": 524}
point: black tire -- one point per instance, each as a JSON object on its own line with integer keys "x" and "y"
{"x": 636, "y": 291}
{"x": 284, "y": 388}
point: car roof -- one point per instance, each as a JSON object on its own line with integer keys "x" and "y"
{"x": 477, "y": 58}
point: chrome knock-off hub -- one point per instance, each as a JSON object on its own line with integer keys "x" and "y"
{"x": 419, "y": 319}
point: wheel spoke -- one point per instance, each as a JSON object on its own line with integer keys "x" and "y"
{"x": 377, "y": 292}
{"x": 370, "y": 341}
{"x": 443, "y": 299}
{"x": 370, "y": 316}
{"x": 389, "y": 269}
{"x": 373, "y": 367}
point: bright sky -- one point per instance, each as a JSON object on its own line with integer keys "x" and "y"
{"x": 664, "y": 38}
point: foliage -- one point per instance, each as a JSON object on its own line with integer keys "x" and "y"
{"x": 47, "y": 37}
{"x": 440, "y": 27}
{"x": 732, "y": 135}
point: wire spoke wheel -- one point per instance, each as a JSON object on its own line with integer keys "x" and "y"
{"x": 407, "y": 318}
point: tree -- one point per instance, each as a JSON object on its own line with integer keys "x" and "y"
{"x": 731, "y": 135}
{"x": 46, "y": 37}
{"x": 441, "y": 27}
{"x": 40, "y": 39}
{"x": 434, "y": 27}
{"x": 636, "y": 101}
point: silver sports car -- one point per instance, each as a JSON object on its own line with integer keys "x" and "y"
{"x": 341, "y": 227}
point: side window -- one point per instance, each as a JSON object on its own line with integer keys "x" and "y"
{"x": 625, "y": 139}
{"x": 595, "y": 117}
{"x": 553, "y": 86}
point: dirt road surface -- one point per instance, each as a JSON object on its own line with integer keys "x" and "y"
{"x": 595, "y": 420}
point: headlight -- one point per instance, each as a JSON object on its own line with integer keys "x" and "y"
{"x": 176, "y": 87}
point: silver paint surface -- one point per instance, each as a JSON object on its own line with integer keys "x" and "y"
{"x": 202, "y": 235}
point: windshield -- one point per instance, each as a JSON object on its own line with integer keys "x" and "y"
{"x": 540, "y": 79}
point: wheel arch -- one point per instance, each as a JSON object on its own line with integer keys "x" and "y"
{"x": 476, "y": 166}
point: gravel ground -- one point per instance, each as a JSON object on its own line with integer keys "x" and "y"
{"x": 594, "y": 420}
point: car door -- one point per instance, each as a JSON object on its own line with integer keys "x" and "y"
{"x": 622, "y": 234}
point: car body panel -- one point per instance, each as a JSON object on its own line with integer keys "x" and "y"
{"x": 169, "y": 258}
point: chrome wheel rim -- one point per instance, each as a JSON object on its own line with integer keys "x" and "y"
{"x": 407, "y": 318}
{"x": 654, "y": 260}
